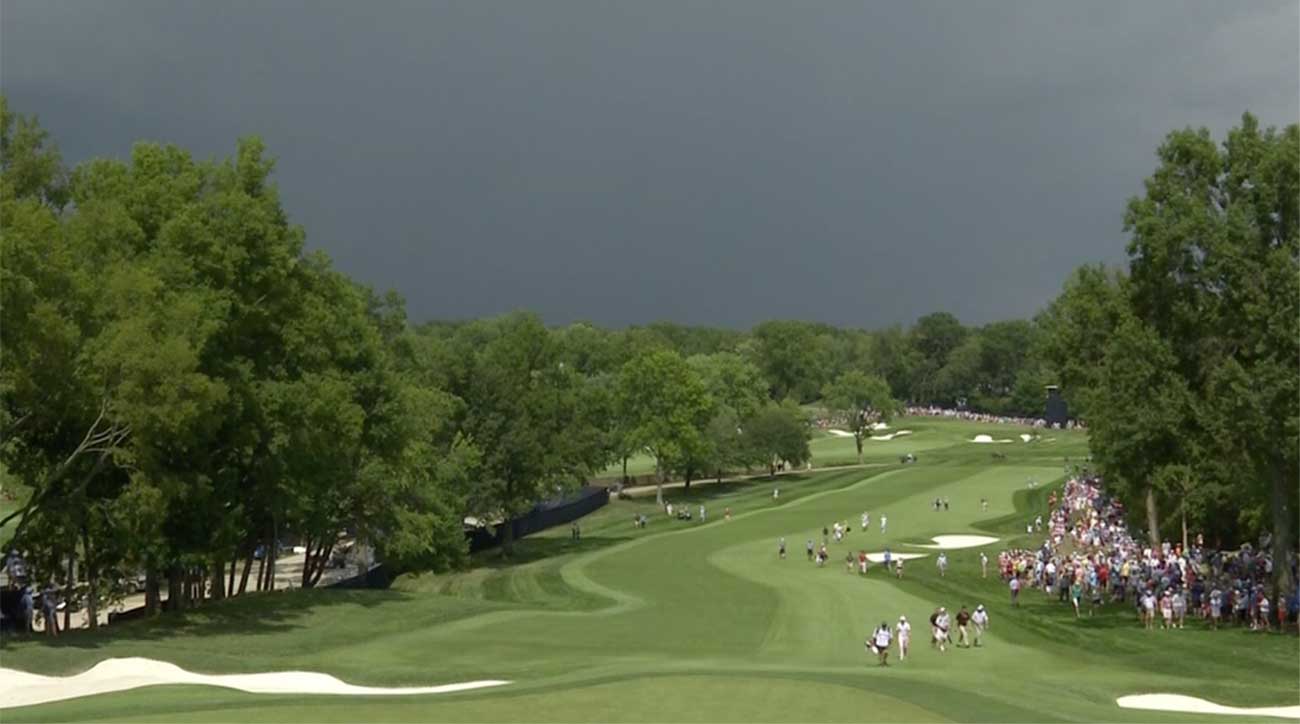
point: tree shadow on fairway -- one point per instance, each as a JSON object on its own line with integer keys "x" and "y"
{"x": 259, "y": 613}
{"x": 536, "y": 548}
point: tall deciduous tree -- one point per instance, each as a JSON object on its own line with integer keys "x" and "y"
{"x": 525, "y": 414}
{"x": 1214, "y": 261}
{"x": 666, "y": 407}
{"x": 863, "y": 400}
{"x": 779, "y": 432}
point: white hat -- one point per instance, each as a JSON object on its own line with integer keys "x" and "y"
{"x": 942, "y": 609}
{"x": 902, "y": 618}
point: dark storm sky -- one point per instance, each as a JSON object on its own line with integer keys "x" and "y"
{"x": 857, "y": 163}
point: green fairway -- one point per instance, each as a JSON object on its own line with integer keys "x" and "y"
{"x": 690, "y": 621}
{"x": 926, "y": 433}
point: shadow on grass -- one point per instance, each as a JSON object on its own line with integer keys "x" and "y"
{"x": 535, "y": 548}
{"x": 257, "y": 613}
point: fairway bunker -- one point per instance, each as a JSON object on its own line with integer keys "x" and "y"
{"x": 19, "y": 688}
{"x": 891, "y": 435}
{"x": 987, "y": 439}
{"x": 839, "y": 433}
{"x": 1192, "y": 705}
{"x": 953, "y": 542}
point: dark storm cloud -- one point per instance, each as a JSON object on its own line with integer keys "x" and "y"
{"x": 723, "y": 163}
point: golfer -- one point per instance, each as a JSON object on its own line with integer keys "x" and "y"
{"x": 981, "y": 620}
{"x": 884, "y": 523}
{"x": 904, "y": 630}
{"x": 941, "y": 626}
{"x": 942, "y": 563}
{"x": 984, "y": 565}
{"x": 780, "y": 548}
{"x": 963, "y": 620}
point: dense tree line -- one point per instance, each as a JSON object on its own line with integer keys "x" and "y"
{"x": 184, "y": 385}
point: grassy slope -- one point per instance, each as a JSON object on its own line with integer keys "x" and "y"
{"x": 692, "y": 622}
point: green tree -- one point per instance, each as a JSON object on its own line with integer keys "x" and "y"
{"x": 863, "y": 400}
{"x": 731, "y": 381}
{"x": 666, "y": 408}
{"x": 1074, "y": 330}
{"x": 1213, "y": 263}
{"x": 1141, "y": 417}
{"x": 779, "y": 432}
{"x": 793, "y": 357}
{"x": 524, "y": 414}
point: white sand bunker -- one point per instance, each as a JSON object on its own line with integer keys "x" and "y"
{"x": 1193, "y": 705}
{"x": 880, "y": 557}
{"x": 892, "y": 435}
{"x": 839, "y": 433}
{"x": 19, "y": 688}
{"x": 952, "y": 542}
{"x": 880, "y": 426}
{"x": 985, "y": 439}
{"x": 1026, "y": 437}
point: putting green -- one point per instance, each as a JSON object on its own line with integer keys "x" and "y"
{"x": 684, "y": 621}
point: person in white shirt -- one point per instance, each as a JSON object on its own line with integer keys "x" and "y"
{"x": 904, "y": 632}
{"x": 981, "y": 620}
{"x": 776, "y": 493}
{"x": 866, "y": 521}
{"x": 942, "y": 625}
{"x": 880, "y": 643}
{"x": 942, "y": 563}
{"x": 884, "y": 523}
{"x": 984, "y": 565}
{"x": 1149, "y": 609}
{"x": 701, "y": 513}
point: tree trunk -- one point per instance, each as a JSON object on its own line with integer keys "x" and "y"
{"x": 1153, "y": 518}
{"x": 152, "y": 595}
{"x": 218, "y": 579}
{"x": 261, "y": 572}
{"x": 273, "y": 553}
{"x": 1283, "y": 533}
{"x": 625, "y": 470}
{"x": 858, "y": 439}
{"x": 322, "y": 559}
{"x": 67, "y": 596}
{"x": 248, "y": 567}
{"x": 92, "y": 588}
{"x": 1184, "y": 527}
{"x": 175, "y": 589}
{"x": 306, "y": 566}
{"x": 507, "y": 538}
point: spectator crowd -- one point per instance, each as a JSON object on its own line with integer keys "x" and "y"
{"x": 1088, "y": 557}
